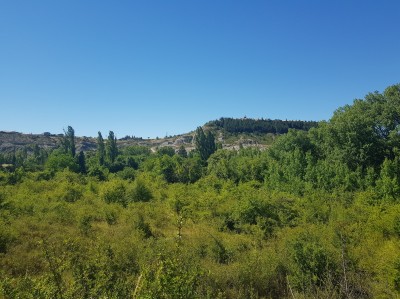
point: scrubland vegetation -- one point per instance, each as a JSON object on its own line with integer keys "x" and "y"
{"x": 316, "y": 215}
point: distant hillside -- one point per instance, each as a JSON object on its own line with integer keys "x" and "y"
{"x": 230, "y": 132}
{"x": 10, "y": 141}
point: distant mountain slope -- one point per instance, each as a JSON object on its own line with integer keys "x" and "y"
{"x": 230, "y": 132}
{"x": 10, "y": 141}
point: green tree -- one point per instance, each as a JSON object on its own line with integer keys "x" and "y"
{"x": 166, "y": 150}
{"x": 193, "y": 170}
{"x": 166, "y": 166}
{"x": 182, "y": 152}
{"x": 365, "y": 133}
{"x": 69, "y": 141}
{"x": 314, "y": 264}
{"x": 114, "y": 192}
{"x": 389, "y": 180}
{"x": 211, "y": 145}
{"x": 205, "y": 144}
{"x": 101, "y": 150}
{"x": 111, "y": 149}
{"x": 140, "y": 191}
{"x": 59, "y": 161}
{"x": 82, "y": 162}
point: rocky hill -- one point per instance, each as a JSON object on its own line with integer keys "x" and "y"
{"x": 231, "y": 133}
{"x": 10, "y": 141}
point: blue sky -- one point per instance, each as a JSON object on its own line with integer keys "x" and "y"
{"x": 151, "y": 68}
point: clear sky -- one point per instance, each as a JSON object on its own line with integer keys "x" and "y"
{"x": 150, "y": 68}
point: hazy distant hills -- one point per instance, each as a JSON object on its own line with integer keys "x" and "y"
{"x": 230, "y": 132}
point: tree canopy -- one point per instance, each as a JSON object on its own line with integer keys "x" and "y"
{"x": 249, "y": 125}
{"x": 205, "y": 143}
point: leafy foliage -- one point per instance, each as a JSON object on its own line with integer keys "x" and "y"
{"x": 316, "y": 215}
{"x": 205, "y": 143}
{"x": 249, "y": 125}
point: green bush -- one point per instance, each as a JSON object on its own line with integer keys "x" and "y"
{"x": 114, "y": 192}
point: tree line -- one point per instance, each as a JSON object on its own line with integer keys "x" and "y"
{"x": 260, "y": 126}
